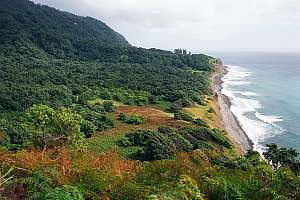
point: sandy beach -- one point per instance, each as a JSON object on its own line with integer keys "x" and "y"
{"x": 231, "y": 123}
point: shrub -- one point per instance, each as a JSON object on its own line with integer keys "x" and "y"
{"x": 220, "y": 138}
{"x": 185, "y": 102}
{"x": 99, "y": 109}
{"x": 134, "y": 119}
{"x": 201, "y": 122}
{"x": 39, "y": 187}
{"x": 88, "y": 128}
{"x": 101, "y": 121}
{"x": 180, "y": 142}
{"x": 139, "y": 137}
{"x": 199, "y": 99}
{"x": 124, "y": 142}
{"x": 219, "y": 188}
{"x": 176, "y": 106}
{"x": 157, "y": 145}
{"x": 196, "y": 134}
{"x": 203, "y": 145}
{"x": 4, "y": 139}
{"x": 181, "y": 103}
{"x": 122, "y": 117}
{"x": 65, "y": 192}
{"x": 211, "y": 110}
{"x": 166, "y": 130}
{"x": 186, "y": 188}
{"x": 183, "y": 116}
{"x": 108, "y": 106}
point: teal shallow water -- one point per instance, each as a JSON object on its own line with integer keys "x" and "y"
{"x": 264, "y": 89}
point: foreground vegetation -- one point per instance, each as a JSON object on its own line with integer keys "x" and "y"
{"x": 161, "y": 158}
{"x": 88, "y": 116}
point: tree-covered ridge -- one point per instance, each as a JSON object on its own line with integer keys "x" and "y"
{"x": 52, "y": 57}
{"x": 58, "y": 33}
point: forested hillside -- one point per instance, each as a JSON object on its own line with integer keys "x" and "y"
{"x": 85, "y": 115}
{"x": 49, "y": 56}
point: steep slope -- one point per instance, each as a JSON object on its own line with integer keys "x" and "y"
{"x": 57, "y": 33}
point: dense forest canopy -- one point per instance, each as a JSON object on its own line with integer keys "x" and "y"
{"x": 52, "y": 57}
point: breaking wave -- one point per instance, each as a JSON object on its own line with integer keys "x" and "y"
{"x": 247, "y": 109}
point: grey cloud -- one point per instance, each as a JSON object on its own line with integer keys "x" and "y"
{"x": 233, "y": 25}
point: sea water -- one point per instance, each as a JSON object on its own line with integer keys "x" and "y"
{"x": 264, "y": 90}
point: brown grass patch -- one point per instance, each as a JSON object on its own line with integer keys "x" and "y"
{"x": 154, "y": 118}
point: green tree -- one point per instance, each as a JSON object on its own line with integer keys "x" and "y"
{"x": 88, "y": 128}
{"x": 51, "y": 127}
{"x": 282, "y": 157}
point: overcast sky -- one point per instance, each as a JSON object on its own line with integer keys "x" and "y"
{"x": 198, "y": 25}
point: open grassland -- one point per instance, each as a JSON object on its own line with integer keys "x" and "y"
{"x": 213, "y": 117}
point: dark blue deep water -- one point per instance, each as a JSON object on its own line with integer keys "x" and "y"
{"x": 264, "y": 89}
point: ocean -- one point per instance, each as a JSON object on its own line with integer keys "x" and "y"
{"x": 264, "y": 90}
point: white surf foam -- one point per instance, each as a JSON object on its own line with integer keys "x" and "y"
{"x": 270, "y": 119}
{"x": 258, "y": 127}
{"x": 247, "y": 93}
{"x": 237, "y": 82}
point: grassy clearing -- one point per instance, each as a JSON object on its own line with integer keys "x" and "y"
{"x": 100, "y": 101}
{"x": 154, "y": 117}
{"x": 163, "y": 105}
{"x": 213, "y": 119}
{"x": 104, "y": 141}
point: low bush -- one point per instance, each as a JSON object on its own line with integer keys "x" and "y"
{"x": 101, "y": 121}
{"x": 181, "y": 103}
{"x": 219, "y": 137}
{"x": 186, "y": 188}
{"x": 108, "y": 106}
{"x": 203, "y": 145}
{"x": 219, "y": 188}
{"x": 122, "y": 117}
{"x": 139, "y": 137}
{"x": 99, "y": 109}
{"x": 199, "y": 99}
{"x": 183, "y": 116}
{"x": 201, "y": 122}
{"x": 196, "y": 135}
{"x": 211, "y": 110}
{"x": 40, "y": 187}
{"x": 88, "y": 128}
{"x": 157, "y": 145}
{"x": 134, "y": 119}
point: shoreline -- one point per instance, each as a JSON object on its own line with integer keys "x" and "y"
{"x": 231, "y": 123}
